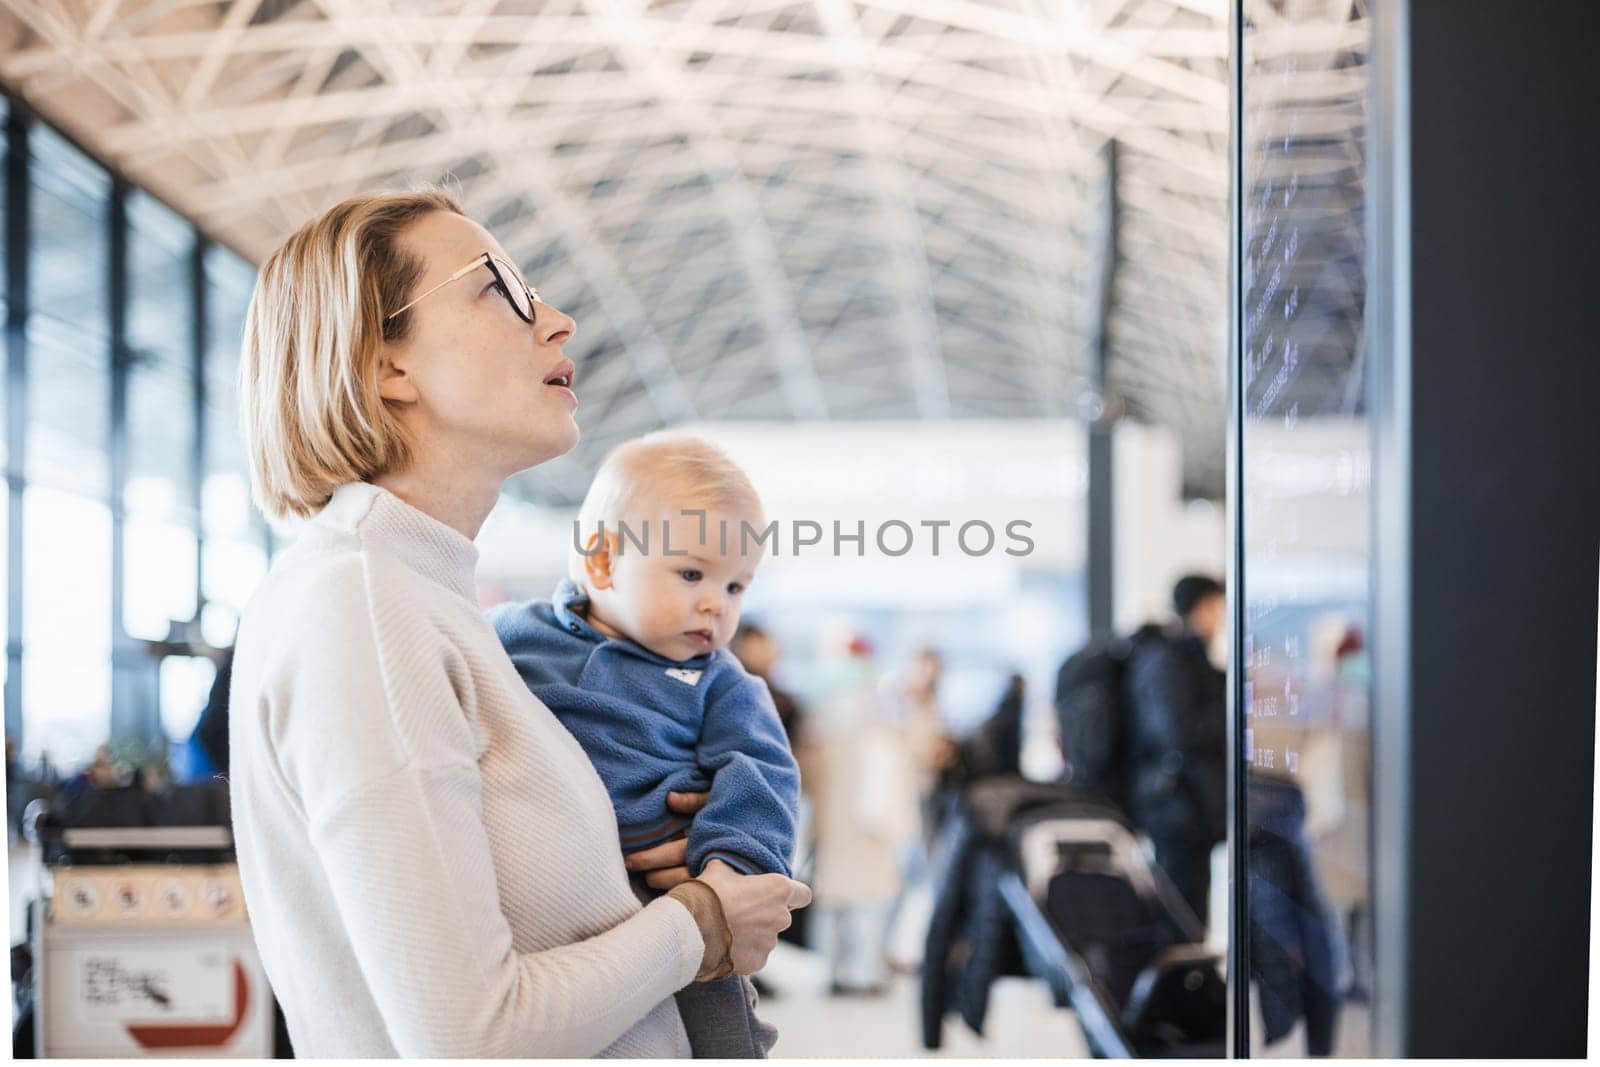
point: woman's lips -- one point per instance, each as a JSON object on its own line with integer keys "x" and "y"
{"x": 562, "y": 378}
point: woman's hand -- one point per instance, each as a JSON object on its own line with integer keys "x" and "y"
{"x": 756, "y": 908}
{"x": 665, "y": 865}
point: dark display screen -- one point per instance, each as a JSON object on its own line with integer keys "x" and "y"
{"x": 1305, "y": 463}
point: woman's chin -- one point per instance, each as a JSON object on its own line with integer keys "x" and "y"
{"x": 556, "y": 441}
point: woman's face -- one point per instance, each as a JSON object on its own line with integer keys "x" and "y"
{"x": 479, "y": 380}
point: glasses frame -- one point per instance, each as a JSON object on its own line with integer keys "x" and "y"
{"x": 494, "y": 263}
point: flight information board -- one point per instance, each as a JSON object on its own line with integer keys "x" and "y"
{"x": 1304, "y": 476}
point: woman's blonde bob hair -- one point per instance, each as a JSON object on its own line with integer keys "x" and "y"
{"x": 308, "y": 371}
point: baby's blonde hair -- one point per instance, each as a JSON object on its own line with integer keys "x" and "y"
{"x": 308, "y": 370}
{"x": 654, "y": 477}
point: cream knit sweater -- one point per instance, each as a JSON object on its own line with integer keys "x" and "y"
{"x": 429, "y": 861}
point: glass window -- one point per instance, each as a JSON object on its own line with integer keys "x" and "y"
{"x": 68, "y": 333}
{"x": 159, "y": 583}
{"x": 69, "y": 391}
{"x": 185, "y": 683}
{"x": 160, "y": 244}
{"x": 234, "y": 557}
{"x": 1305, "y": 513}
{"x": 69, "y": 239}
{"x": 158, "y": 578}
{"x": 233, "y": 569}
{"x": 226, "y": 501}
{"x": 66, "y": 624}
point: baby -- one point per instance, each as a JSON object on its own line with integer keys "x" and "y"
{"x": 630, "y": 655}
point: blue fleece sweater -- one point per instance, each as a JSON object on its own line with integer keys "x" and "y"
{"x": 652, "y": 725}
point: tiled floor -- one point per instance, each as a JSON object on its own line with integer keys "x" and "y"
{"x": 1022, "y": 1022}
{"x": 812, "y": 1025}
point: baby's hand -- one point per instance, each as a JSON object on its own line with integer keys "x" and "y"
{"x": 687, "y": 803}
{"x": 666, "y": 865}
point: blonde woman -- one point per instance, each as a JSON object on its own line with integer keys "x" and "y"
{"x": 429, "y": 860}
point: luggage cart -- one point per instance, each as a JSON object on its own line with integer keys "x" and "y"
{"x": 1110, "y": 935}
{"x": 141, "y": 947}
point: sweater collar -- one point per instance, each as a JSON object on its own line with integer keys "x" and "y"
{"x": 570, "y": 603}
{"x": 417, "y": 539}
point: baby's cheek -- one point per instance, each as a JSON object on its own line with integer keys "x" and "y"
{"x": 663, "y": 618}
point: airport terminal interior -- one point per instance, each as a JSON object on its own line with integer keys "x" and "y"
{"x": 1175, "y": 419}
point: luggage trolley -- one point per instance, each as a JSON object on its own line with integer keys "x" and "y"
{"x": 1108, "y": 932}
{"x": 141, "y": 947}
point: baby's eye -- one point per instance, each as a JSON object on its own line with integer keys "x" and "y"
{"x": 690, "y": 574}
{"x": 735, "y": 588}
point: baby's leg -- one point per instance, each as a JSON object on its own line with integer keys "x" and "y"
{"x": 720, "y": 1018}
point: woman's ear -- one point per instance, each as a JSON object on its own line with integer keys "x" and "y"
{"x": 394, "y": 384}
{"x": 599, "y": 552}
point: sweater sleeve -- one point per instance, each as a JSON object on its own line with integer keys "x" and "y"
{"x": 398, "y": 832}
{"x": 749, "y": 818}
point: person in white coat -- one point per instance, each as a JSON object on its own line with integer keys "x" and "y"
{"x": 863, "y": 784}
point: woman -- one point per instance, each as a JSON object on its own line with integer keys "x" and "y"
{"x": 430, "y": 862}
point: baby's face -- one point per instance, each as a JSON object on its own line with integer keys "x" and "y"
{"x": 681, "y": 606}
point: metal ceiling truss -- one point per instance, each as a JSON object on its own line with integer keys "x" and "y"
{"x": 795, "y": 210}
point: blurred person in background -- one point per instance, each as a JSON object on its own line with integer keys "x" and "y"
{"x": 995, "y": 747}
{"x": 759, "y": 651}
{"x": 864, "y": 788}
{"x": 928, "y": 742}
{"x": 931, "y": 753}
{"x": 101, "y": 772}
{"x": 1177, "y": 701}
{"x": 14, "y": 788}
{"x": 209, "y": 741}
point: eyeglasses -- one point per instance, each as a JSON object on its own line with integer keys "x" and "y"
{"x": 517, "y": 293}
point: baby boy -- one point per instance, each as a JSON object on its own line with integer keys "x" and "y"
{"x": 630, "y": 654}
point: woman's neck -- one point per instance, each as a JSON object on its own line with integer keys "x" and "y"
{"x": 460, "y": 499}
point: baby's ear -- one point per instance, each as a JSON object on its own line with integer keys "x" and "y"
{"x": 599, "y": 553}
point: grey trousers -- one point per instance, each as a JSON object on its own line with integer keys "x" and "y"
{"x": 720, "y": 1018}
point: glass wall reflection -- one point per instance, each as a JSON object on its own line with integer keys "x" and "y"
{"x": 1306, "y": 461}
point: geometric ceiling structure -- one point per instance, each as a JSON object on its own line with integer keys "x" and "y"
{"x": 824, "y": 209}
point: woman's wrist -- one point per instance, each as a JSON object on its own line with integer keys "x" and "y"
{"x": 705, "y": 906}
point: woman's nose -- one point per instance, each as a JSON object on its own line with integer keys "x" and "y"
{"x": 553, "y": 326}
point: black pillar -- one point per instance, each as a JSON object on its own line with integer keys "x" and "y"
{"x": 1487, "y": 494}
{"x": 1101, "y": 417}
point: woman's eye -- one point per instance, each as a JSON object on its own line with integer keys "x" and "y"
{"x": 495, "y": 287}
{"x": 690, "y": 574}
